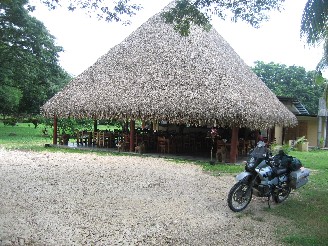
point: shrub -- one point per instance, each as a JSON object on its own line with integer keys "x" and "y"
{"x": 10, "y": 122}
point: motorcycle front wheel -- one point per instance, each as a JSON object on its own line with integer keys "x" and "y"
{"x": 282, "y": 193}
{"x": 240, "y": 196}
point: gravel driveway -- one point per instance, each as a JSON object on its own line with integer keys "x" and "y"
{"x": 85, "y": 199}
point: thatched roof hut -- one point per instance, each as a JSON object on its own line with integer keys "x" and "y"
{"x": 155, "y": 74}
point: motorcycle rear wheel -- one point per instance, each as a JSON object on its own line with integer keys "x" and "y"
{"x": 240, "y": 196}
{"x": 282, "y": 193}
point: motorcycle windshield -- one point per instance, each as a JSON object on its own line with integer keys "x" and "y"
{"x": 259, "y": 152}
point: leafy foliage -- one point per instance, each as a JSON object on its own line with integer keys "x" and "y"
{"x": 102, "y": 9}
{"x": 68, "y": 126}
{"x": 29, "y": 70}
{"x": 292, "y": 81}
{"x": 9, "y": 98}
{"x": 183, "y": 14}
{"x": 314, "y": 21}
{"x": 314, "y": 27}
{"x": 199, "y": 12}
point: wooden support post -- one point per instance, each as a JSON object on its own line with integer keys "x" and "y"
{"x": 257, "y": 134}
{"x": 132, "y": 133}
{"x": 155, "y": 125}
{"x": 143, "y": 125}
{"x": 234, "y": 143}
{"x": 126, "y": 127}
{"x": 54, "y": 137}
{"x": 319, "y": 131}
{"x": 95, "y": 125}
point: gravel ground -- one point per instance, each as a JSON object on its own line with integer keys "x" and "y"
{"x": 85, "y": 199}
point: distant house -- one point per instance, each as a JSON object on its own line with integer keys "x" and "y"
{"x": 308, "y": 125}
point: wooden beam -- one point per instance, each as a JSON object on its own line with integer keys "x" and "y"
{"x": 54, "y": 137}
{"x": 132, "y": 133}
{"x": 234, "y": 145}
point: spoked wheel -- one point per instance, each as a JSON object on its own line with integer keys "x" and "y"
{"x": 240, "y": 196}
{"x": 282, "y": 193}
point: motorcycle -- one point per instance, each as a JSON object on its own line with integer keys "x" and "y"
{"x": 267, "y": 176}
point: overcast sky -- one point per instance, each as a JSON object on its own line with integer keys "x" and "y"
{"x": 85, "y": 40}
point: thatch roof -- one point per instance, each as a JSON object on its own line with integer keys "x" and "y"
{"x": 155, "y": 74}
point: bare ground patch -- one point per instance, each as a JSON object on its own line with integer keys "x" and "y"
{"x": 85, "y": 199}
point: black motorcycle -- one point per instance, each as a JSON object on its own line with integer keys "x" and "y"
{"x": 267, "y": 176}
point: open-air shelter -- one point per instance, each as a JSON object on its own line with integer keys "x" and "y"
{"x": 156, "y": 74}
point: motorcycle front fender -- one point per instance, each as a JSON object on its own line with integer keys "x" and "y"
{"x": 243, "y": 175}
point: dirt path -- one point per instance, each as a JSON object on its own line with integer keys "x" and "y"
{"x": 85, "y": 199}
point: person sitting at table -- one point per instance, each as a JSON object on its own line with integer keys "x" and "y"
{"x": 119, "y": 145}
{"x": 140, "y": 148}
{"x": 221, "y": 151}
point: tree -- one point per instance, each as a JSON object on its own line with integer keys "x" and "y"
{"x": 9, "y": 99}
{"x": 292, "y": 81}
{"x": 182, "y": 15}
{"x": 29, "y": 70}
{"x": 314, "y": 27}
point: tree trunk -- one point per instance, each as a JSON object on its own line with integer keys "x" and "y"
{"x": 132, "y": 133}
{"x": 326, "y": 137}
{"x": 234, "y": 145}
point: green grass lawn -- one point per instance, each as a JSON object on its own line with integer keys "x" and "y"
{"x": 307, "y": 207}
{"x": 23, "y": 136}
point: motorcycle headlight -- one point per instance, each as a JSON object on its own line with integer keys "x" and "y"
{"x": 251, "y": 163}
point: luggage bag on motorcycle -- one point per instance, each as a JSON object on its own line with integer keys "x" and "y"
{"x": 294, "y": 164}
{"x": 298, "y": 178}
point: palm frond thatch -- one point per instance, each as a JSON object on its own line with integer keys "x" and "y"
{"x": 155, "y": 74}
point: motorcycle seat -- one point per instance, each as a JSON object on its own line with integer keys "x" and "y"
{"x": 279, "y": 171}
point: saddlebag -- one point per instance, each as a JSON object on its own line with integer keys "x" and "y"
{"x": 298, "y": 178}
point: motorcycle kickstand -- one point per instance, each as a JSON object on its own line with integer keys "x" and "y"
{"x": 269, "y": 201}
